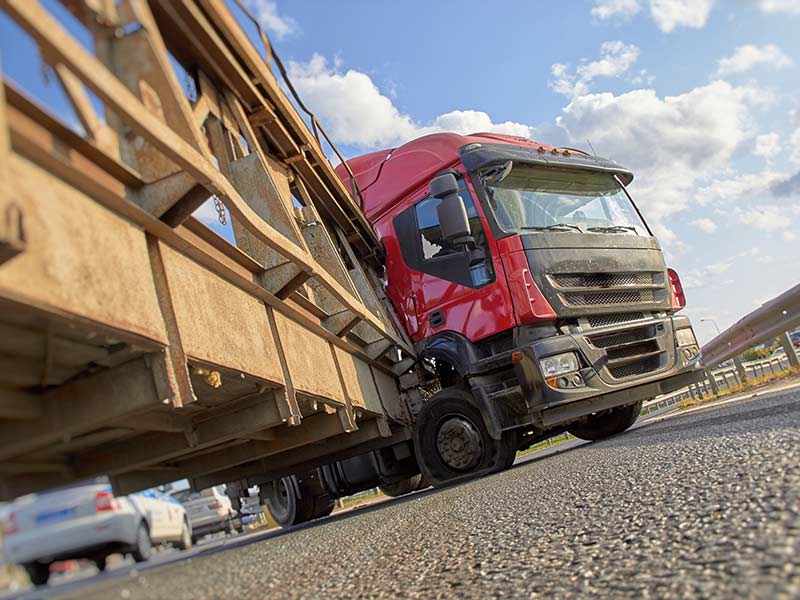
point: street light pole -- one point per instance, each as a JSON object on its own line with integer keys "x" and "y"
{"x": 712, "y": 321}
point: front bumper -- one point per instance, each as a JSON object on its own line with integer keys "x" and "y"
{"x": 619, "y": 365}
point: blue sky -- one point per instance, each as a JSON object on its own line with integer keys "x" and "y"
{"x": 698, "y": 97}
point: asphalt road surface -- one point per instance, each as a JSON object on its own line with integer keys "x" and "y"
{"x": 691, "y": 505}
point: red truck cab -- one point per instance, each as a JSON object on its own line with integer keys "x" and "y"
{"x": 532, "y": 288}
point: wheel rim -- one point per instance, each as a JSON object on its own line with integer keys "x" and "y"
{"x": 279, "y": 502}
{"x": 459, "y": 443}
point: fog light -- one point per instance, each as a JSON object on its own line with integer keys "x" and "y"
{"x": 559, "y": 364}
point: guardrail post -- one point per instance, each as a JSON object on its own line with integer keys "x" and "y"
{"x": 788, "y": 347}
{"x": 713, "y": 381}
{"x": 740, "y": 370}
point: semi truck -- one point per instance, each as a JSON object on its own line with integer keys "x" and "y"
{"x": 413, "y": 316}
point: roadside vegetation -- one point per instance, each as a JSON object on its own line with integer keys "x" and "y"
{"x": 750, "y": 384}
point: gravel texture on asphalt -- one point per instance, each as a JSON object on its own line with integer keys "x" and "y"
{"x": 698, "y": 505}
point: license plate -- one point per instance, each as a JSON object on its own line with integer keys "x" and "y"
{"x": 57, "y": 515}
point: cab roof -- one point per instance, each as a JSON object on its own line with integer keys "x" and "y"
{"x": 387, "y": 176}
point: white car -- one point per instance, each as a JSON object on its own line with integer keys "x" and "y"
{"x": 210, "y": 511}
{"x": 88, "y": 521}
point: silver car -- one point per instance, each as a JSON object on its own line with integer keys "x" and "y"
{"x": 88, "y": 521}
{"x": 209, "y": 511}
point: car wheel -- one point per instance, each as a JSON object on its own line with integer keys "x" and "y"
{"x": 38, "y": 572}
{"x": 143, "y": 549}
{"x": 603, "y": 425}
{"x": 451, "y": 441}
{"x": 186, "y": 537}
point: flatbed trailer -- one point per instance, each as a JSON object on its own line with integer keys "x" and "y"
{"x": 136, "y": 342}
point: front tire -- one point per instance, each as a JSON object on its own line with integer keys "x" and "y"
{"x": 451, "y": 440}
{"x": 603, "y": 425}
{"x": 143, "y": 549}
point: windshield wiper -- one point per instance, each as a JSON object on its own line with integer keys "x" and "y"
{"x": 553, "y": 227}
{"x": 613, "y": 229}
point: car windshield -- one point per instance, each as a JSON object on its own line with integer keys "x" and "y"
{"x": 546, "y": 199}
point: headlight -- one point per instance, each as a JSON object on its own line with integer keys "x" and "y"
{"x": 685, "y": 337}
{"x": 559, "y": 364}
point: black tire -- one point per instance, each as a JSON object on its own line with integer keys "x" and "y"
{"x": 452, "y": 424}
{"x": 38, "y": 572}
{"x": 101, "y": 563}
{"x": 187, "y": 539}
{"x": 402, "y": 487}
{"x": 143, "y": 548}
{"x": 606, "y": 424}
{"x": 296, "y": 499}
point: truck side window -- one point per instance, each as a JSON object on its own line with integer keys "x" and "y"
{"x": 423, "y": 248}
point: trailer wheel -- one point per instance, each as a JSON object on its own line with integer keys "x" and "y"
{"x": 293, "y": 500}
{"x": 402, "y": 487}
{"x": 603, "y": 425}
{"x": 451, "y": 440}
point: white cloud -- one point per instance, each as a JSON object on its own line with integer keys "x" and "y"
{"x": 794, "y": 142}
{"x": 356, "y": 112}
{"x": 705, "y": 225}
{"x": 605, "y": 9}
{"x": 266, "y": 11}
{"x": 768, "y": 145}
{"x": 746, "y": 186}
{"x": 671, "y": 143}
{"x": 765, "y": 217}
{"x": 615, "y": 60}
{"x": 670, "y": 14}
{"x": 789, "y": 7}
{"x": 789, "y": 236}
{"x": 750, "y": 56}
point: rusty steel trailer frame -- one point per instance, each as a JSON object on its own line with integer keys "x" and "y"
{"x": 135, "y": 341}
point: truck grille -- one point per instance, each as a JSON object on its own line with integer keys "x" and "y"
{"x": 591, "y": 290}
{"x": 629, "y": 353}
{"x": 602, "y": 298}
{"x": 640, "y": 367}
{"x": 616, "y": 319}
{"x": 602, "y": 280}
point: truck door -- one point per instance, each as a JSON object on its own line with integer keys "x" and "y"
{"x": 452, "y": 289}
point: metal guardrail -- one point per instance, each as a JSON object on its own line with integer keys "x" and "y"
{"x": 723, "y": 379}
{"x": 773, "y": 318}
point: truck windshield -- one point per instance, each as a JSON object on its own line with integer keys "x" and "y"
{"x": 547, "y": 199}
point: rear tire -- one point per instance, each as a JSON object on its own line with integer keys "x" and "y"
{"x": 100, "y": 563}
{"x": 143, "y": 549}
{"x": 603, "y": 425}
{"x": 289, "y": 508}
{"x": 402, "y": 487}
{"x": 38, "y": 572}
{"x": 451, "y": 440}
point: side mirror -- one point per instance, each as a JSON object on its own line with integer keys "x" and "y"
{"x": 452, "y": 213}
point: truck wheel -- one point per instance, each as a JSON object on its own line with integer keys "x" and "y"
{"x": 143, "y": 549}
{"x": 451, "y": 440}
{"x": 597, "y": 427}
{"x": 101, "y": 563}
{"x": 287, "y": 508}
{"x": 38, "y": 572}
{"x": 402, "y": 487}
